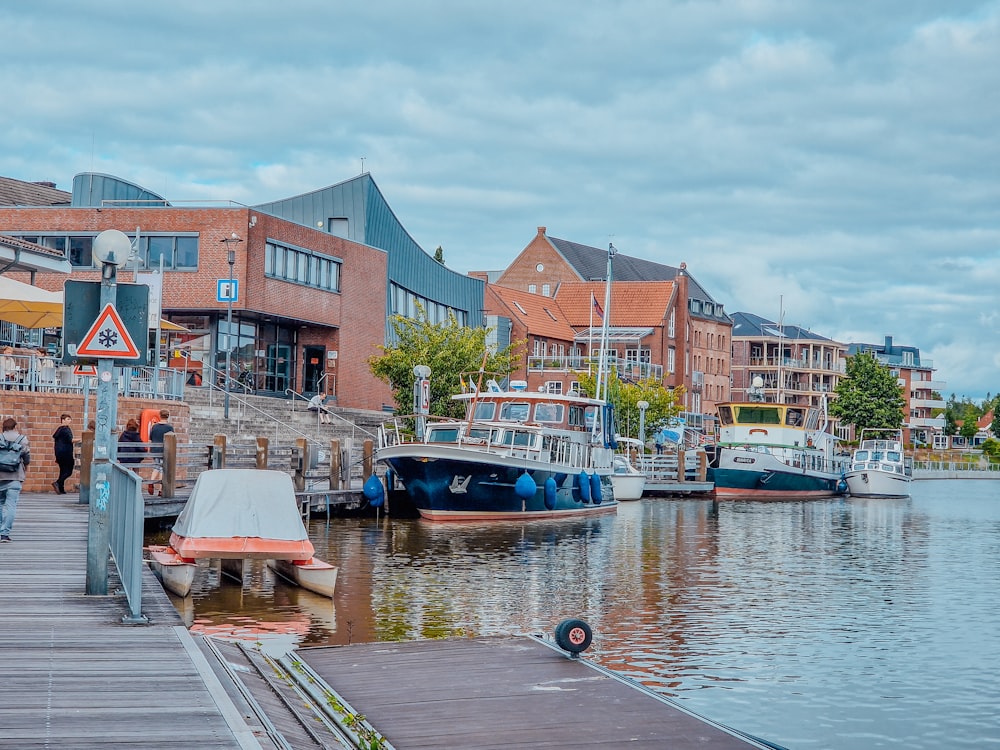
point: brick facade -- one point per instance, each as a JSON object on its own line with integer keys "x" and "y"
{"x": 351, "y": 322}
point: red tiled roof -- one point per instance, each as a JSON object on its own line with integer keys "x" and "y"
{"x": 542, "y": 316}
{"x": 633, "y": 303}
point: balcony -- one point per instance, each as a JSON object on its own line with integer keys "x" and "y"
{"x": 927, "y": 403}
{"x": 627, "y": 370}
{"x": 797, "y": 364}
{"x": 937, "y": 423}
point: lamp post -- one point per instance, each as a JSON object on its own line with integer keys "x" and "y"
{"x": 421, "y": 397}
{"x": 230, "y": 243}
{"x": 643, "y": 405}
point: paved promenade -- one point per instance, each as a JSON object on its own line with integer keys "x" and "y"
{"x": 73, "y": 676}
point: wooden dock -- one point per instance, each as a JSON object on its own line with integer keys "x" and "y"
{"x": 75, "y": 676}
{"x": 506, "y": 692}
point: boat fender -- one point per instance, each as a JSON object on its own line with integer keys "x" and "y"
{"x": 583, "y": 484}
{"x": 595, "y": 489}
{"x": 525, "y": 486}
{"x": 390, "y": 480}
{"x": 573, "y": 635}
{"x": 842, "y": 485}
{"x": 373, "y": 491}
{"x": 549, "y": 493}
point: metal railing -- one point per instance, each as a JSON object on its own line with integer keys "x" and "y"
{"x": 125, "y": 515}
{"x": 41, "y": 373}
{"x": 296, "y": 397}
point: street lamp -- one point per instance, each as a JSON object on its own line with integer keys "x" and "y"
{"x": 643, "y": 405}
{"x": 230, "y": 243}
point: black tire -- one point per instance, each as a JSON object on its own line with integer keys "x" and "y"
{"x": 573, "y": 635}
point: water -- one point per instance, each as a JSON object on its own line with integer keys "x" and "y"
{"x": 844, "y": 623}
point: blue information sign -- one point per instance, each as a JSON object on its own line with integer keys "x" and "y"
{"x": 228, "y": 290}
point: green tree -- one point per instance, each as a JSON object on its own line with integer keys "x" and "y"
{"x": 995, "y": 424}
{"x": 869, "y": 396}
{"x": 970, "y": 424}
{"x": 663, "y": 403}
{"x": 448, "y": 348}
{"x": 439, "y": 255}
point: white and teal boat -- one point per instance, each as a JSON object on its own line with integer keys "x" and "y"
{"x": 775, "y": 451}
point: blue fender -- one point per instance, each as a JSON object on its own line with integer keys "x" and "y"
{"x": 595, "y": 489}
{"x": 374, "y": 492}
{"x": 525, "y": 486}
{"x": 549, "y": 493}
{"x": 583, "y": 484}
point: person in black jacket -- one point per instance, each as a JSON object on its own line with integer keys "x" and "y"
{"x": 130, "y": 445}
{"x": 62, "y": 440}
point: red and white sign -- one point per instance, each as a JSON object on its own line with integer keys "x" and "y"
{"x": 90, "y": 370}
{"x": 108, "y": 337}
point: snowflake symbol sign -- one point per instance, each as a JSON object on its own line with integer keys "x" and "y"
{"x": 107, "y": 338}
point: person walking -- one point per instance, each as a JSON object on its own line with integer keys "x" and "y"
{"x": 15, "y": 455}
{"x": 156, "y": 433}
{"x": 130, "y": 445}
{"x": 62, "y": 440}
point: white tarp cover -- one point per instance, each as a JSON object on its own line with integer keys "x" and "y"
{"x": 242, "y": 503}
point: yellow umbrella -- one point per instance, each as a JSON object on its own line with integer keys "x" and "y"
{"x": 29, "y": 306}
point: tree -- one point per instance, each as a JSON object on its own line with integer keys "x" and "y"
{"x": 869, "y": 396}
{"x": 970, "y": 425}
{"x": 663, "y": 403}
{"x": 439, "y": 255}
{"x": 448, "y": 348}
{"x": 995, "y": 424}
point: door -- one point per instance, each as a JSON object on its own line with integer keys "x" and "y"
{"x": 313, "y": 369}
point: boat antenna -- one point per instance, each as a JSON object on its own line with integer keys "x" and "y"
{"x": 778, "y": 397}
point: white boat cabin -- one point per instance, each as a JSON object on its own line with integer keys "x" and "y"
{"x": 772, "y": 424}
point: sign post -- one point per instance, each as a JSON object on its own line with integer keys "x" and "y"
{"x": 107, "y": 338}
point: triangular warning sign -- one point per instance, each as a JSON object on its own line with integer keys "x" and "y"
{"x": 108, "y": 337}
{"x": 83, "y": 370}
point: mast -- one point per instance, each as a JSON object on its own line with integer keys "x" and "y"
{"x": 778, "y": 397}
{"x": 601, "y": 389}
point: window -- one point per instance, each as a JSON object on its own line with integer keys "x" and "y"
{"x": 514, "y": 412}
{"x": 671, "y": 360}
{"x": 531, "y": 290}
{"x": 309, "y": 268}
{"x": 671, "y": 324}
{"x": 553, "y": 386}
{"x": 549, "y": 412}
{"x": 546, "y": 290}
{"x": 177, "y": 251}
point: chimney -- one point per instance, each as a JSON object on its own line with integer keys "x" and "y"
{"x": 541, "y": 231}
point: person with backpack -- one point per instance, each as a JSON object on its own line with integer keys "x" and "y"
{"x": 62, "y": 440}
{"x": 14, "y": 456}
{"x": 130, "y": 445}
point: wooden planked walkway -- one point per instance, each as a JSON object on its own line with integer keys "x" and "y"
{"x": 505, "y": 692}
{"x": 73, "y": 676}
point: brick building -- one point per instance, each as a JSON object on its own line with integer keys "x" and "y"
{"x": 691, "y": 347}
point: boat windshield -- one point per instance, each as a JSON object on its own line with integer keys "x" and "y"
{"x": 549, "y": 412}
{"x": 514, "y": 411}
{"x": 484, "y": 411}
{"x": 758, "y": 415}
{"x": 442, "y": 435}
{"x": 861, "y": 455}
{"x": 893, "y": 456}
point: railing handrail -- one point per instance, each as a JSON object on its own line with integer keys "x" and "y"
{"x": 354, "y": 427}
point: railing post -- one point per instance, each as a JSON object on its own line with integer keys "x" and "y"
{"x": 303, "y": 465}
{"x": 219, "y": 452}
{"x": 335, "y": 483}
{"x": 168, "y": 486}
{"x": 262, "y": 446}
{"x": 86, "y": 458}
{"x": 367, "y": 458}
{"x": 681, "y": 465}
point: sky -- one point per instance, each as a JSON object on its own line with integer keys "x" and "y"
{"x": 837, "y": 164}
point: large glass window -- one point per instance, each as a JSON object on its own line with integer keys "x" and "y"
{"x": 301, "y": 267}
{"x": 177, "y": 251}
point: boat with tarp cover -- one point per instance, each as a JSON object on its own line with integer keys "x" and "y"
{"x": 237, "y": 515}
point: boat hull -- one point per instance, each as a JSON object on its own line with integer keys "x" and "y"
{"x": 628, "y": 486}
{"x": 454, "y": 484}
{"x": 875, "y": 483}
{"x": 176, "y": 573}
{"x": 313, "y": 575}
{"x": 753, "y": 474}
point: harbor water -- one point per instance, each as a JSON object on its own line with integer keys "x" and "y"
{"x": 840, "y": 623}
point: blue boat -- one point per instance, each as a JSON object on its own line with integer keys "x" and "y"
{"x": 515, "y": 454}
{"x": 775, "y": 451}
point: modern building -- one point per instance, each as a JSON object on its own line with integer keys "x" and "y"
{"x": 921, "y": 392}
{"x": 694, "y": 351}
{"x": 316, "y": 276}
{"x": 795, "y": 365}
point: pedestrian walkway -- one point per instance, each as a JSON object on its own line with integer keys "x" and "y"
{"x": 74, "y": 676}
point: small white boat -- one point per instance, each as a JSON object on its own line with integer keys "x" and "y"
{"x": 628, "y": 482}
{"x": 313, "y": 574}
{"x": 241, "y": 514}
{"x": 878, "y": 467}
{"x": 175, "y": 572}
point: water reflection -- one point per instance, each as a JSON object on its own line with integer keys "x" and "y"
{"x": 839, "y": 623}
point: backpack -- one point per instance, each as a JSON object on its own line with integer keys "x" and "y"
{"x": 10, "y": 454}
